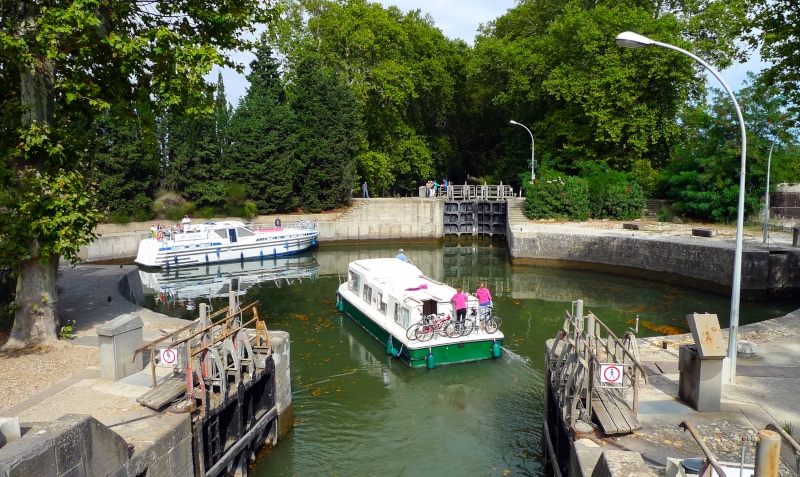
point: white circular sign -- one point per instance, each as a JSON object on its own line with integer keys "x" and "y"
{"x": 169, "y": 357}
{"x": 611, "y": 373}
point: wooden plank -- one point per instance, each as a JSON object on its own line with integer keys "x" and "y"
{"x": 163, "y": 394}
{"x": 613, "y": 413}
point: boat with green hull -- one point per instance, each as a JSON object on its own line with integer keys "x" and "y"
{"x": 391, "y": 299}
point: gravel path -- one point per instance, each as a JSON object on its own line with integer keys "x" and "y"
{"x": 25, "y": 373}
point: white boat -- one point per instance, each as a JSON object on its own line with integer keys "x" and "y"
{"x": 387, "y": 297}
{"x": 216, "y": 242}
{"x": 218, "y": 280}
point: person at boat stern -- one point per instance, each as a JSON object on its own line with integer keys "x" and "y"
{"x": 484, "y": 298}
{"x": 401, "y": 256}
{"x": 460, "y": 304}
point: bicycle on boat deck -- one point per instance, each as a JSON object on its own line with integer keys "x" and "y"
{"x": 430, "y": 325}
{"x": 487, "y": 322}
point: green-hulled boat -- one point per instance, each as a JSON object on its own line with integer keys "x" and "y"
{"x": 387, "y": 297}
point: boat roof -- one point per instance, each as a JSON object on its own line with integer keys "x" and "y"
{"x": 403, "y": 279}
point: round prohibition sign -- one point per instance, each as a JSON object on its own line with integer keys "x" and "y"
{"x": 169, "y": 356}
{"x": 611, "y": 373}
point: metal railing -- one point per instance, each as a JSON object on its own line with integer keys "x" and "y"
{"x": 478, "y": 192}
{"x": 584, "y": 347}
{"x": 209, "y": 354}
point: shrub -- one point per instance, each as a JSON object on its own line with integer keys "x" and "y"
{"x": 622, "y": 202}
{"x": 557, "y": 196}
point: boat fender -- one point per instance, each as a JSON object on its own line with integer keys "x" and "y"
{"x": 496, "y": 351}
{"x": 340, "y": 306}
{"x": 217, "y": 253}
{"x": 389, "y": 347}
{"x": 430, "y": 360}
{"x": 241, "y": 256}
{"x": 261, "y": 255}
{"x": 287, "y": 244}
{"x": 313, "y": 242}
{"x": 274, "y": 252}
{"x": 206, "y": 258}
{"x": 175, "y": 259}
{"x": 396, "y": 353}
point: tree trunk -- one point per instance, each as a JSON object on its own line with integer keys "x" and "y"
{"x": 36, "y": 317}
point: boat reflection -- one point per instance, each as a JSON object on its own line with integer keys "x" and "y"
{"x": 185, "y": 284}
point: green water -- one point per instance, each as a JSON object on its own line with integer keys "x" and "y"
{"x": 359, "y": 412}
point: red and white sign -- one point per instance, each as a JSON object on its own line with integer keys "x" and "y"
{"x": 611, "y": 373}
{"x": 169, "y": 357}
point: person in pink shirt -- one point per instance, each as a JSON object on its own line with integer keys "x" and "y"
{"x": 460, "y": 304}
{"x": 484, "y": 298}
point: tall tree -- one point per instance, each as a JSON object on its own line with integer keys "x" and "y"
{"x": 125, "y": 161}
{"x": 329, "y": 136}
{"x": 404, "y": 74}
{"x": 262, "y": 152}
{"x": 777, "y": 27}
{"x": 554, "y": 66}
{"x": 64, "y": 61}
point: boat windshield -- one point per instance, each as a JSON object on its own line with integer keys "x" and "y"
{"x": 222, "y": 233}
{"x": 243, "y": 232}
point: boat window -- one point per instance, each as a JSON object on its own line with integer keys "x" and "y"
{"x": 222, "y": 233}
{"x": 367, "y": 296}
{"x": 245, "y": 232}
{"x": 401, "y": 316}
{"x": 355, "y": 280}
{"x": 381, "y": 303}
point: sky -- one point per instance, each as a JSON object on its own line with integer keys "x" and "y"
{"x": 460, "y": 19}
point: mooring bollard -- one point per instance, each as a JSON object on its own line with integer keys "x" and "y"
{"x": 768, "y": 453}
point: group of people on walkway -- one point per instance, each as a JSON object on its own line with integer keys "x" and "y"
{"x": 433, "y": 189}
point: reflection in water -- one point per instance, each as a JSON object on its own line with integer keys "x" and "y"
{"x": 184, "y": 285}
{"x": 360, "y": 412}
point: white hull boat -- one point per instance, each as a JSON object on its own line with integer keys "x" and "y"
{"x": 218, "y": 242}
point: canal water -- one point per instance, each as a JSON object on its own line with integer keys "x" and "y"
{"x": 359, "y": 412}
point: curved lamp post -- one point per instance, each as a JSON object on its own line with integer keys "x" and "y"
{"x": 629, "y": 39}
{"x": 533, "y": 163}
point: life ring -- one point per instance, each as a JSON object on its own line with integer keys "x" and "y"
{"x": 160, "y": 235}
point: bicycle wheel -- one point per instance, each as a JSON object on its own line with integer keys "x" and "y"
{"x": 424, "y": 332}
{"x": 411, "y": 332}
{"x": 442, "y": 327}
{"x": 492, "y": 324}
{"x": 454, "y": 329}
{"x": 469, "y": 327}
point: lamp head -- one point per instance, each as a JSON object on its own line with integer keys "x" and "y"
{"x": 512, "y": 122}
{"x": 629, "y": 39}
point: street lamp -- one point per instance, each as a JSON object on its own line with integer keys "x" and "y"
{"x": 629, "y": 39}
{"x": 533, "y": 161}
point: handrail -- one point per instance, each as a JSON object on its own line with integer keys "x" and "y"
{"x": 686, "y": 425}
{"x": 789, "y": 440}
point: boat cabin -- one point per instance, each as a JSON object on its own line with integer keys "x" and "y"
{"x": 399, "y": 291}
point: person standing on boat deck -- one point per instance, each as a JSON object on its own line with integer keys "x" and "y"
{"x": 401, "y": 256}
{"x": 364, "y": 191}
{"x": 460, "y": 304}
{"x": 186, "y": 223}
{"x": 484, "y": 298}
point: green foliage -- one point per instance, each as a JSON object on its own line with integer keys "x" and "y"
{"x": 403, "y": 72}
{"x": 65, "y": 333}
{"x": 263, "y": 156}
{"x": 557, "y": 196}
{"x": 612, "y": 194}
{"x": 776, "y": 28}
{"x": 329, "y": 136}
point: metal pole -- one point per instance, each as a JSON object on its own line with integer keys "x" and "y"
{"x": 633, "y": 40}
{"x": 766, "y": 194}
{"x": 768, "y": 453}
{"x": 533, "y": 150}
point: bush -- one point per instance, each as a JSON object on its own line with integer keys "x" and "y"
{"x": 557, "y": 196}
{"x": 623, "y": 202}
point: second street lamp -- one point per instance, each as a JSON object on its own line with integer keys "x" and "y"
{"x": 630, "y": 39}
{"x": 533, "y": 160}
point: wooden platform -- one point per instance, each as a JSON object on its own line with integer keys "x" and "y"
{"x": 164, "y": 394}
{"x": 613, "y": 413}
